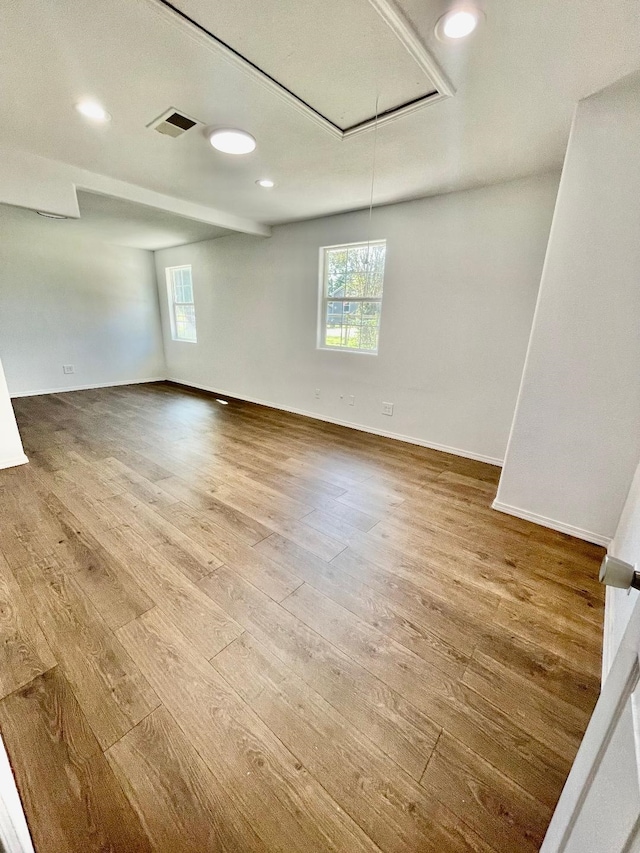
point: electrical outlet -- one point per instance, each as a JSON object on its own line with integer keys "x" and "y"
{"x": 68, "y": 368}
{"x": 317, "y": 394}
{"x": 352, "y": 400}
{"x": 387, "y": 408}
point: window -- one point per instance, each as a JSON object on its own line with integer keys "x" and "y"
{"x": 182, "y": 309}
{"x": 351, "y": 296}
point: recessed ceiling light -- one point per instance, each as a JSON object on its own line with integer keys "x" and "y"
{"x": 51, "y": 215}
{"x": 232, "y": 141}
{"x": 266, "y": 183}
{"x": 458, "y": 23}
{"x": 222, "y": 402}
{"x": 92, "y": 110}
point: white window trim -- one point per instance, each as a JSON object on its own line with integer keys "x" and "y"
{"x": 322, "y": 299}
{"x": 172, "y": 314}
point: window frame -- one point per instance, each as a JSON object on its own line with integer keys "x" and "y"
{"x": 323, "y": 298}
{"x": 173, "y": 302}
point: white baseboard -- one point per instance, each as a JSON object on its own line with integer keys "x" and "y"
{"x": 87, "y": 387}
{"x": 444, "y": 448}
{"x": 11, "y": 463}
{"x": 455, "y": 451}
{"x": 560, "y": 526}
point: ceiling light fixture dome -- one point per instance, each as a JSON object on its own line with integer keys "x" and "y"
{"x": 458, "y": 23}
{"x": 266, "y": 183}
{"x": 232, "y": 141}
{"x": 93, "y": 110}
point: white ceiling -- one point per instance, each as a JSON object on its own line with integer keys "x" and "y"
{"x": 125, "y": 223}
{"x": 517, "y": 79}
{"x": 128, "y": 224}
{"x": 339, "y": 56}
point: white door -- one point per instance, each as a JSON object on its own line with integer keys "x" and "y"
{"x": 14, "y": 833}
{"x": 599, "y": 809}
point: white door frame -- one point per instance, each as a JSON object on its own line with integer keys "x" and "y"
{"x": 14, "y": 832}
{"x": 622, "y": 680}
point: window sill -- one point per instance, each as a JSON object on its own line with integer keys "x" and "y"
{"x": 348, "y": 349}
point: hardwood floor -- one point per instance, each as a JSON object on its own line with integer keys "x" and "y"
{"x": 227, "y": 628}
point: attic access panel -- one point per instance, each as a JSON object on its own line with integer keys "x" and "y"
{"x": 334, "y": 57}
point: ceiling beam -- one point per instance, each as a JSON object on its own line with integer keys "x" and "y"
{"x": 36, "y": 183}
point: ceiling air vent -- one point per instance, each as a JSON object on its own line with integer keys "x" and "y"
{"x": 173, "y": 123}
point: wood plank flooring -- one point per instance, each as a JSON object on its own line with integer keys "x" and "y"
{"x": 228, "y": 628}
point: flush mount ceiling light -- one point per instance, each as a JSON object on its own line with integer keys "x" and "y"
{"x": 458, "y": 23}
{"x": 231, "y": 141}
{"x": 51, "y": 215}
{"x": 266, "y": 183}
{"x": 93, "y": 111}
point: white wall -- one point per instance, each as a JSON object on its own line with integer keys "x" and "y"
{"x": 626, "y": 546}
{"x": 461, "y": 280}
{"x": 70, "y": 300}
{"x": 575, "y": 439}
{"x": 11, "y": 452}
